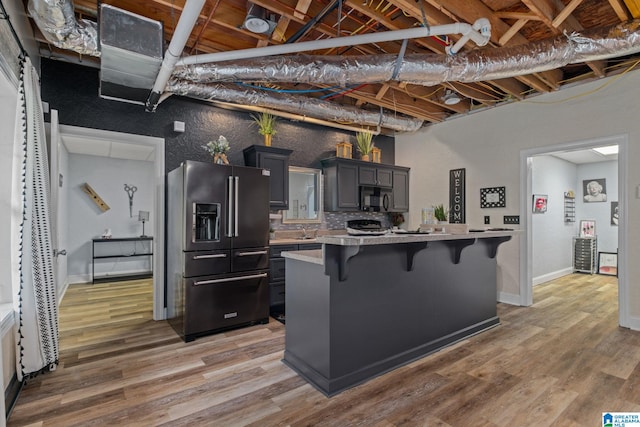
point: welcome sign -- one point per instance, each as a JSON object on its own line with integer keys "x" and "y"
{"x": 456, "y": 196}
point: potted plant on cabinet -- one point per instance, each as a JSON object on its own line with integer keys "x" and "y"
{"x": 364, "y": 142}
{"x": 266, "y": 123}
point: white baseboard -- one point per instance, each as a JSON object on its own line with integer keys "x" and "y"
{"x": 62, "y": 291}
{"x": 634, "y": 323}
{"x": 79, "y": 278}
{"x": 551, "y": 276}
{"x": 511, "y": 299}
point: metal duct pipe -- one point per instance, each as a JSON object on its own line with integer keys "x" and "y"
{"x": 428, "y": 69}
{"x": 293, "y": 104}
{"x": 58, "y": 24}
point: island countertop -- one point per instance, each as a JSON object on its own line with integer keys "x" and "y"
{"x": 394, "y": 238}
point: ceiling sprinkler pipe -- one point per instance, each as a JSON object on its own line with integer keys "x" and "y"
{"x": 385, "y": 36}
{"x": 186, "y": 23}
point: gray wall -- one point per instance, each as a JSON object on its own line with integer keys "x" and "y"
{"x": 86, "y": 221}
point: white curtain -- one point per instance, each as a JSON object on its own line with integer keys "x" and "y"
{"x": 32, "y": 252}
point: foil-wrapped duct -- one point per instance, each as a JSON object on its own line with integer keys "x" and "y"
{"x": 58, "y": 24}
{"x": 311, "y": 107}
{"x": 427, "y": 69}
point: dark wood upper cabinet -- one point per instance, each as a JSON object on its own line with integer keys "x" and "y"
{"x": 277, "y": 161}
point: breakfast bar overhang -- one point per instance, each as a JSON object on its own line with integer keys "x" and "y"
{"x": 363, "y": 306}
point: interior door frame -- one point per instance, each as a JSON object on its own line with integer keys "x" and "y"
{"x": 159, "y": 310}
{"x": 526, "y": 241}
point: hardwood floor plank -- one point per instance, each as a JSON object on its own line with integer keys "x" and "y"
{"x": 562, "y": 362}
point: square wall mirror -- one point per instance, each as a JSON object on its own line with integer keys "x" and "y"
{"x": 305, "y": 196}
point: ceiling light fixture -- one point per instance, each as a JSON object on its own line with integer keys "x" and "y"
{"x": 451, "y": 98}
{"x": 257, "y": 20}
{"x": 606, "y": 151}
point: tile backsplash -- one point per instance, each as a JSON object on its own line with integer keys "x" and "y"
{"x": 332, "y": 221}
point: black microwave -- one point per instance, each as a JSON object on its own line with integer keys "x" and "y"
{"x": 375, "y": 199}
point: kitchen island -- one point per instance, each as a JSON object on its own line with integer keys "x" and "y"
{"x": 362, "y": 306}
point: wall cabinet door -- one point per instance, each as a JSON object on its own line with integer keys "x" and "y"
{"x": 277, "y": 161}
{"x": 400, "y": 191}
{"x": 375, "y": 176}
{"x": 341, "y": 192}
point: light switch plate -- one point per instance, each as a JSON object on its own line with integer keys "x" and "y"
{"x": 511, "y": 219}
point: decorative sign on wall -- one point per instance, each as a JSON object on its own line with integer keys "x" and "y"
{"x": 456, "y": 196}
{"x": 493, "y": 197}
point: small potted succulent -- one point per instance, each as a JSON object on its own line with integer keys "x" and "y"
{"x": 441, "y": 213}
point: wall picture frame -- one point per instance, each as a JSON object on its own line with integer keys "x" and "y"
{"x": 608, "y": 263}
{"x": 540, "y": 203}
{"x": 587, "y": 228}
{"x": 594, "y": 190}
{"x": 493, "y": 197}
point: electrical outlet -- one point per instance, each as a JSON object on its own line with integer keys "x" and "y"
{"x": 511, "y": 219}
{"x": 487, "y": 219}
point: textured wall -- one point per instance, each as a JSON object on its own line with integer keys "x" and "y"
{"x": 73, "y": 90}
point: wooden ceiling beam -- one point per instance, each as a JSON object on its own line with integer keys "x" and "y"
{"x": 302, "y": 7}
{"x": 620, "y": 9}
{"x": 634, "y": 7}
{"x": 564, "y": 13}
{"x": 512, "y": 31}
{"x": 517, "y": 15}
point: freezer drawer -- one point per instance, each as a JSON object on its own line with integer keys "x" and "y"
{"x": 219, "y": 302}
{"x": 249, "y": 259}
{"x": 204, "y": 263}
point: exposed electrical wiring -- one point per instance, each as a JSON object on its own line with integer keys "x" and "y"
{"x": 589, "y": 92}
{"x": 270, "y": 89}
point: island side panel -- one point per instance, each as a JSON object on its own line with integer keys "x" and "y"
{"x": 307, "y": 339}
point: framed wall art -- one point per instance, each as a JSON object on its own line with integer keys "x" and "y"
{"x": 595, "y": 190}
{"x": 587, "y": 228}
{"x": 615, "y": 216}
{"x": 493, "y": 197}
{"x": 608, "y": 263}
{"x": 540, "y": 203}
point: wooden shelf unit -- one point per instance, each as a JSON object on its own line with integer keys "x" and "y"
{"x": 147, "y": 251}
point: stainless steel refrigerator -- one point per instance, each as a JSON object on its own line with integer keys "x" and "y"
{"x": 217, "y": 247}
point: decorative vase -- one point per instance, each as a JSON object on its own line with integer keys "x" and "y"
{"x": 364, "y": 157}
{"x": 267, "y": 140}
{"x": 220, "y": 159}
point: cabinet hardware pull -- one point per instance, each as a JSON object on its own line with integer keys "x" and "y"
{"x": 230, "y": 279}
{"x": 210, "y": 256}
{"x": 252, "y": 253}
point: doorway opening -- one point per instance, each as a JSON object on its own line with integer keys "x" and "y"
{"x": 526, "y": 207}
{"x": 128, "y": 147}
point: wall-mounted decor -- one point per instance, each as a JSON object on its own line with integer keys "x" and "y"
{"x": 615, "y": 216}
{"x": 493, "y": 197}
{"x": 456, "y": 196}
{"x": 569, "y": 207}
{"x": 540, "y": 203}
{"x": 588, "y": 228}
{"x": 608, "y": 263}
{"x": 130, "y": 190}
{"x": 595, "y": 190}
{"x": 94, "y": 196}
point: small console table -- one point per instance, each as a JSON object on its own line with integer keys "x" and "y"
{"x": 124, "y": 247}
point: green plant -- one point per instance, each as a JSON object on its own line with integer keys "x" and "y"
{"x": 364, "y": 142}
{"x": 266, "y": 123}
{"x": 440, "y": 213}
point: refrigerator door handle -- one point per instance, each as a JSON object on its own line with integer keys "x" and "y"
{"x": 237, "y": 179}
{"x": 251, "y": 253}
{"x": 229, "y": 231}
{"x": 230, "y": 279}
{"x": 210, "y": 256}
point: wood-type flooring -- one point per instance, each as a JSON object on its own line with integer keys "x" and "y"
{"x": 562, "y": 362}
